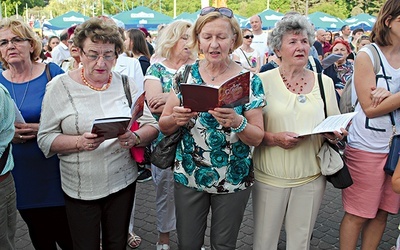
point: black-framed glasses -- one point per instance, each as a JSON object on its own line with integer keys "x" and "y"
{"x": 249, "y": 36}
{"x": 108, "y": 56}
{"x": 15, "y": 41}
{"x": 223, "y": 10}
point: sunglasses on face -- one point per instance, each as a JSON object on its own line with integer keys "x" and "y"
{"x": 249, "y": 36}
{"x": 224, "y": 11}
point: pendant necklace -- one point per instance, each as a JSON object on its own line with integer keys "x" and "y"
{"x": 25, "y": 92}
{"x": 296, "y": 87}
{"x": 214, "y": 77}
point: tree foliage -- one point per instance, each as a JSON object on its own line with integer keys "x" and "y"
{"x": 340, "y": 8}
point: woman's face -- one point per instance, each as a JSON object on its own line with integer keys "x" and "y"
{"x": 73, "y": 50}
{"x": 127, "y": 42}
{"x": 180, "y": 48}
{"x": 340, "y": 49}
{"x": 363, "y": 43}
{"x": 97, "y": 69}
{"x": 295, "y": 48}
{"x": 54, "y": 42}
{"x": 328, "y": 36}
{"x": 18, "y": 51}
{"x": 216, "y": 40}
{"x": 247, "y": 37}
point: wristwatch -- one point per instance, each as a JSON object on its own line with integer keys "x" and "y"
{"x": 137, "y": 140}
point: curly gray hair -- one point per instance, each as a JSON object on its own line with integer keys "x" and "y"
{"x": 290, "y": 24}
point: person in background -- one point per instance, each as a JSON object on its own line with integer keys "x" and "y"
{"x": 356, "y": 33}
{"x": 8, "y": 209}
{"x": 320, "y": 43}
{"x": 52, "y": 43}
{"x": 171, "y": 45}
{"x": 370, "y": 199}
{"x": 248, "y": 57}
{"x": 345, "y": 32}
{"x": 148, "y": 40}
{"x": 40, "y": 200}
{"x": 361, "y": 42}
{"x": 288, "y": 185}
{"x": 213, "y": 165}
{"x": 136, "y": 46}
{"x": 341, "y": 70}
{"x": 61, "y": 51}
{"x": 259, "y": 42}
{"x": 74, "y": 61}
{"x": 98, "y": 175}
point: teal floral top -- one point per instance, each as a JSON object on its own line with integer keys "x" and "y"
{"x": 158, "y": 71}
{"x": 211, "y": 158}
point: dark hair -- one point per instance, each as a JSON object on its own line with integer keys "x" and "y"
{"x": 357, "y": 30}
{"x": 344, "y": 27}
{"x": 380, "y": 32}
{"x": 138, "y": 41}
{"x": 64, "y": 35}
{"x": 49, "y": 41}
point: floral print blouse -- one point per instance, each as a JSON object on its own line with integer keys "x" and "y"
{"x": 211, "y": 158}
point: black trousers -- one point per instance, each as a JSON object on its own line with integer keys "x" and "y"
{"x": 47, "y": 227}
{"x": 112, "y": 213}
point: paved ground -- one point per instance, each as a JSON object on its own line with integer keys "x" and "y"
{"x": 325, "y": 234}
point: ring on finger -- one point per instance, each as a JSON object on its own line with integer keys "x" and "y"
{"x": 20, "y": 137}
{"x": 126, "y": 143}
{"x": 223, "y": 122}
{"x": 90, "y": 145}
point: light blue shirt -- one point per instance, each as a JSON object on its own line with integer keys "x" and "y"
{"x": 7, "y": 117}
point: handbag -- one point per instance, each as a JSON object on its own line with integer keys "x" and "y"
{"x": 163, "y": 154}
{"x": 339, "y": 176}
{"x": 393, "y": 156}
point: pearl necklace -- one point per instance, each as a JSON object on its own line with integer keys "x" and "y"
{"x": 213, "y": 77}
{"x": 297, "y": 87}
{"x": 104, "y": 87}
{"x": 25, "y": 92}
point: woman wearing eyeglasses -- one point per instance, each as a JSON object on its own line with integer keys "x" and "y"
{"x": 74, "y": 61}
{"x": 98, "y": 175}
{"x": 248, "y": 57}
{"x": 40, "y": 199}
{"x": 213, "y": 166}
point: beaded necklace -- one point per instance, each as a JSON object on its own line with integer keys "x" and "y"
{"x": 295, "y": 87}
{"x": 104, "y": 87}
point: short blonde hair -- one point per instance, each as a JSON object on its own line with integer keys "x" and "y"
{"x": 22, "y": 30}
{"x": 203, "y": 20}
{"x": 169, "y": 36}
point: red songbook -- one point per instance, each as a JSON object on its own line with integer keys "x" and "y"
{"x": 201, "y": 98}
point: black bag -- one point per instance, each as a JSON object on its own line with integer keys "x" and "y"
{"x": 163, "y": 155}
{"x": 342, "y": 178}
{"x": 393, "y": 156}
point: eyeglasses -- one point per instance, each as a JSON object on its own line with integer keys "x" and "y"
{"x": 108, "y": 56}
{"x": 70, "y": 41}
{"x": 224, "y": 11}
{"x": 249, "y": 36}
{"x": 15, "y": 41}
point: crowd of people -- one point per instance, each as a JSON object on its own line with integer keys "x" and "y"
{"x": 76, "y": 190}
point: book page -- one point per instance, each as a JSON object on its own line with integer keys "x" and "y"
{"x": 332, "y": 123}
{"x": 329, "y": 60}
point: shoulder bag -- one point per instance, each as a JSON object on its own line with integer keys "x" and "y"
{"x": 163, "y": 154}
{"x": 332, "y": 164}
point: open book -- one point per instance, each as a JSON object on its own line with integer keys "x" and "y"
{"x": 330, "y": 59}
{"x": 201, "y": 98}
{"x": 112, "y": 127}
{"x": 332, "y": 123}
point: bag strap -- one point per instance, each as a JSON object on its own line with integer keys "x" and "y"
{"x": 127, "y": 90}
{"x": 247, "y": 59}
{"x": 4, "y": 157}
{"x": 312, "y": 62}
{"x": 322, "y": 92}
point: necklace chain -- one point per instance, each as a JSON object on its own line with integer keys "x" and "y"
{"x": 25, "y": 92}
{"x": 214, "y": 77}
{"x": 104, "y": 87}
{"x": 295, "y": 87}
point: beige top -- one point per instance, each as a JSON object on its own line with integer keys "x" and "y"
{"x": 70, "y": 108}
{"x": 284, "y": 112}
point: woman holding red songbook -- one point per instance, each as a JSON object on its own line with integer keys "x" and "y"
{"x": 213, "y": 165}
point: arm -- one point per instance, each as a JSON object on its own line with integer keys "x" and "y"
{"x": 155, "y": 97}
{"x": 396, "y": 179}
{"x": 364, "y": 83}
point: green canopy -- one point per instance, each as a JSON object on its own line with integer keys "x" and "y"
{"x": 325, "y": 21}
{"x": 362, "y": 20}
{"x": 65, "y": 21}
{"x": 142, "y": 17}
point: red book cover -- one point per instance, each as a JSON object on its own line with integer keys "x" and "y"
{"x": 201, "y": 98}
{"x": 112, "y": 127}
